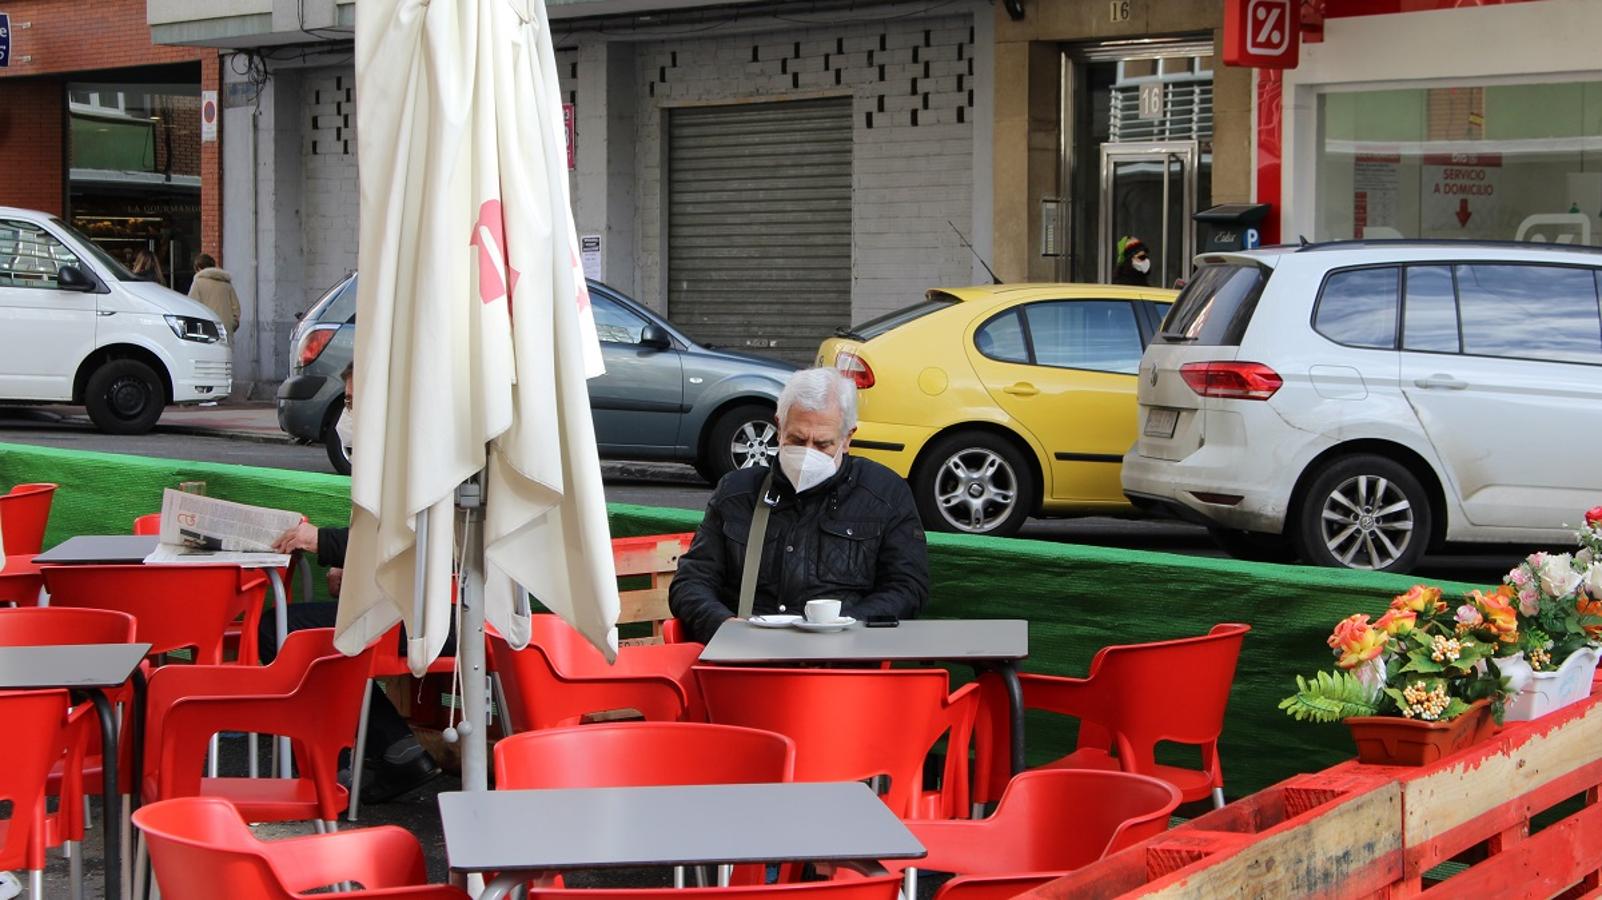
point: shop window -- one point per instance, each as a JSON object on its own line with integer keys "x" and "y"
{"x": 1358, "y": 308}
{"x": 1493, "y": 162}
{"x": 1099, "y": 335}
{"x": 1530, "y": 312}
{"x": 1429, "y": 310}
{"x": 30, "y": 257}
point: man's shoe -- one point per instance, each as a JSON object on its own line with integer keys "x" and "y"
{"x": 404, "y": 769}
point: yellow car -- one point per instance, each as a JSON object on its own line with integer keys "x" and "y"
{"x": 999, "y": 402}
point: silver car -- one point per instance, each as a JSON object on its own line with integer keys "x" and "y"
{"x": 663, "y": 397}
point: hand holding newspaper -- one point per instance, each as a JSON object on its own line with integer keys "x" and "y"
{"x": 198, "y": 530}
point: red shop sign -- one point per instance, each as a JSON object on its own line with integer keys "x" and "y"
{"x": 1263, "y": 34}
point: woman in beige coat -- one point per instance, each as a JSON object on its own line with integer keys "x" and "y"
{"x": 213, "y": 287}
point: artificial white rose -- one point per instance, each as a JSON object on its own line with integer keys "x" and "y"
{"x": 1558, "y": 578}
{"x": 1593, "y": 581}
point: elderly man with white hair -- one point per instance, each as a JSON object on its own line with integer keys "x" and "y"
{"x": 836, "y": 526}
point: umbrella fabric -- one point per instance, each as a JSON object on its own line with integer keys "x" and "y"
{"x": 476, "y": 333}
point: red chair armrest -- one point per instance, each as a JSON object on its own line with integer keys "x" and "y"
{"x": 383, "y": 857}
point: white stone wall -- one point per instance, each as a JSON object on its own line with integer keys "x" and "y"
{"x": 911, "y": 82}
{"x": 332, "y": 197}
{"x": 567, "y": 83}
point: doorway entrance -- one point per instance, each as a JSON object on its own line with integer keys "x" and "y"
{"x": 1136, "y": 147}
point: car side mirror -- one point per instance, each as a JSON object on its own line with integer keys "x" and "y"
{"x": 656, "y": 337}
{"x": 72, "y": 278}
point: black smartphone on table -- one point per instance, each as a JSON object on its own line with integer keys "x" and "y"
{"x": 881, "y": 621}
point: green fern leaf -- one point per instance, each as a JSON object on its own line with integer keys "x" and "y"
{"x": 1329, "y": 697}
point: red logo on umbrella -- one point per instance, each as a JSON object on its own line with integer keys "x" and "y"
{"x": 496, "y": 277}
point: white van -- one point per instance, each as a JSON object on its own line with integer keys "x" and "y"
{"x": 1357, "y": 403}
{"x": 77, "y": 327}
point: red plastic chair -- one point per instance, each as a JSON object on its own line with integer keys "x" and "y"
{"x": 642, "y": 754}
{"x": 559, "y": 678}
{"x": 77, "y": 769}
{"x": 33, "y": 721}
{"x": 993, "y": 887}
{"x": 177, "y": 607}
{"x": 242, "y": 633}
{"x": 202, "y": 849}
{"x": 24, "y": 513}
{"x": 882, "y": 887}
{"x": 1055, "y": 820}
{"x": 1136, "y": 696}
{"x": 854, "y": 724}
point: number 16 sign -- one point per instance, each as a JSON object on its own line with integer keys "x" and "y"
{"x": 1263, "y": 34}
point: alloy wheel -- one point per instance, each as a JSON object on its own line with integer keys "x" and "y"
{"x": 1367, "y": 522}
{"x": 975, "y": 490}
{"x": 754, "y": 443}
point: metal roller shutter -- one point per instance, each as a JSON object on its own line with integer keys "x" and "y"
{"x": 759, "y": 224}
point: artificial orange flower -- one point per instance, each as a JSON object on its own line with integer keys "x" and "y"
{"x": 1397, "y": 622}
{"x": 1420, "y": 599}
{"x": 1501, "y": 618}
{"x": 1355, "y": 641}
{"x": 1589, "y": 607}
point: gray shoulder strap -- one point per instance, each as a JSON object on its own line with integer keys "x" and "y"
{"x": 753, "y": 548}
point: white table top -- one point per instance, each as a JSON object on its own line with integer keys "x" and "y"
{"x": 644, "y": 826}
{"x": 69, "y": 665}
{"x": 954, "y": 640}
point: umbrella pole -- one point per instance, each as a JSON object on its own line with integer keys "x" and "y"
{"x": 470, "y": 643}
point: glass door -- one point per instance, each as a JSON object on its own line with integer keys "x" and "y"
{"x": 1148, "y": 191}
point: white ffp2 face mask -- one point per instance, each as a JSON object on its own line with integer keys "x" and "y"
{"x": 345, "y": 428}
{"x": 1142, "y": 265}
{"x": 805, "y": 467}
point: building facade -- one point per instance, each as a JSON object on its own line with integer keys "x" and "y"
{"x": 103, "y": 127}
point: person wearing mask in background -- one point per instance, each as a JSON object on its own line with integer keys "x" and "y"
{"x": 1134, "y": 263}
{"x": 839, "y": 527}
{"x": 146, "y": 267}
{"x": 215, "y": 288}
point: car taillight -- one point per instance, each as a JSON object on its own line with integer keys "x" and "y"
{"x": 855, "y": 368}
{"x": 1231, "y": 380}
{"x": 312, "y": 344}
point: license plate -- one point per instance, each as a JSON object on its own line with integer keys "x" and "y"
{"x": 1160, "y": 422}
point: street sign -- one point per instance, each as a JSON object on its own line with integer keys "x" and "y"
{"x": 5, "y": 40}
{"x": 1253, "y": 239}
{"x": 1264, "y": 34}
{"x": 208, "y": 116}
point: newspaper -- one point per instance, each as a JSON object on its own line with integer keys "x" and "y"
{"x": 200, "y": 530}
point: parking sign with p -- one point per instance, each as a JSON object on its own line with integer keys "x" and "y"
{"x": 1263, "y": 34}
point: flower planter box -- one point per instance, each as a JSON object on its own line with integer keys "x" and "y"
{"x": 1396, "y": 741}
{"x": 1549, "y": 691}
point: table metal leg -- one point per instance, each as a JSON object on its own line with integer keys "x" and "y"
{"x": 502, "y": 885}
{"x": 1015, "y": 704}
{"x": 281, "y": 628}
{"x": 111, "y": 818}
{"x": 136, "y": 733}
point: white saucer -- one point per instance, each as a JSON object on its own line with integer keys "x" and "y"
{"x": 776, "y": 621}
{"x": 840, "y": 624}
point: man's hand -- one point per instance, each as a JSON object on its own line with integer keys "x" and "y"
{"x": 301, "y": 537}
{"x": 336, "y": 577}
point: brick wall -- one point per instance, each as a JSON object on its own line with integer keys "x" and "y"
{"x": 32, "y": 132}
{"x": 910, "y": 81}
{"x": 331, "y": 198}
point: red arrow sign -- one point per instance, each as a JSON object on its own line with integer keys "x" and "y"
{"x": 1463, "y": 214}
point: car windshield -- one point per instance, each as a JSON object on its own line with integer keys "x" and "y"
{"x": 872, "y": 328}
{"x": 117, "y": 270}
{"x": 1216, "y": 305}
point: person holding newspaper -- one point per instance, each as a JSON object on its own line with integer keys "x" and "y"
{"x": 396, "y": 763}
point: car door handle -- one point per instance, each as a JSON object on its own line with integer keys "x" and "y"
{"x": 1444, "y": 382}
{"x": 1021, "y": 389}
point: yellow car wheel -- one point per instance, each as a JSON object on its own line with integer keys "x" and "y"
{"x": 974, "y": 482}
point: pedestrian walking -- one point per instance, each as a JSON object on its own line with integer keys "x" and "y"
{"x": 1134, "y": 263}
{"x": 215, "y": 288}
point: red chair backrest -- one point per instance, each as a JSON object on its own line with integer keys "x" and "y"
{"x": 148, "y": 524}
{"x": 34, "y": 626}
{"x": 559, "y": 677}
{"x": 882, "y": 887}
{"x": 847, "y": 724}
{"x": 1166, "y": 690}
{"x": 33, "y": 721}
{"x": 24, "y": 513}
{"x": 642, "y": 754}
{"x": 175, "y": 606}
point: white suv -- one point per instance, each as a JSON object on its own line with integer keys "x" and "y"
{"x": 1355, "y": 403}
{"x": 77, "y": 327}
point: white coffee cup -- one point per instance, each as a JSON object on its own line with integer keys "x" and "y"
{"x": 821, "y": 611}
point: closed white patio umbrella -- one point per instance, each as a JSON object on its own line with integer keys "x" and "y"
{"x": 475, "y": 341}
